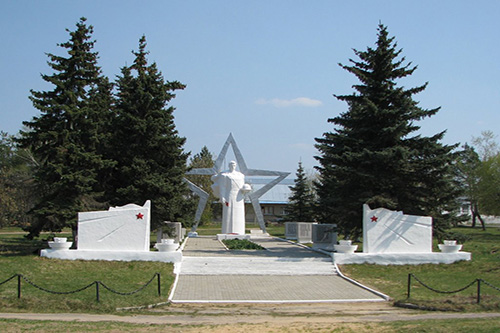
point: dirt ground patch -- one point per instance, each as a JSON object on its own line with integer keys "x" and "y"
{"x": 308, "y": 317}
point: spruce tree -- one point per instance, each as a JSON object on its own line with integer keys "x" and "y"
{"x": 16, "y": 183}
{"x": 149, "y": 152}
{"x": 488, "y": 172}
{"x": 468, "y": 167}
{"x": 302, "y": 200}
{"x": 65, "y": 137}
{"x": 374, "y": 155}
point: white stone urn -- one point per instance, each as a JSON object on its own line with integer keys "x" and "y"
{"x": 450, "y": 246}
{"x": 167, "y": 245}
{"x": 345, "y": 246}
{"x": 60, "y": 243}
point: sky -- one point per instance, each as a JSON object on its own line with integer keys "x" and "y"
{"x": 266, "y": 70}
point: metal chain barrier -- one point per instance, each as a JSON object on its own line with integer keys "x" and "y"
{"x": 13, "y": 276}
{"x": 132, "y": 292}
{"x": 441, "y": 291}
{"x": 490, "y": 285}
{"x": 478, "y": 281}
{"x": 56, "y": 292}
{"x": 96, "y": 283}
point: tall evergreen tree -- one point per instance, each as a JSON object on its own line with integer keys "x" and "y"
{"x": 374, "y": 156}
{"x": 468, "y": 167}
{"x": 302, "y": 200}
{"x": 16, "y": 183}
{"x": 64, "y": 139}
{"x": 149, "y": 152}
{"x": 488, "y": 173}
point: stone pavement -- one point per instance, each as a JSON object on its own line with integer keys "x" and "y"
{"x": 284, "y": 272}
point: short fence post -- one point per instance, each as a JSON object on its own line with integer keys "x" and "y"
{"x": 409, "y": 286}
{"x": 159, "y": 285}
{"x": 478, "y": 291}
{"x": 97, "y": 291}
{"x": 18, "y": 285}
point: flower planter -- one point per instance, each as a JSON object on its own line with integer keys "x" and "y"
{"x": 345, "y": 246}
{"x": 60, "y": 243}
{"x": 167, "y": 245}
{"x": 450, "y": 246}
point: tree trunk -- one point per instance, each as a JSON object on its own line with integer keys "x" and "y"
{"x": 475, "y": 213}
{"x": 74, "y": 232}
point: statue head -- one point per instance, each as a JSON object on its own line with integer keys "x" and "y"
{"x": 232, "y": 166}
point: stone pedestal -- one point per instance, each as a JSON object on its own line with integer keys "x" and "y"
{"x": 232, "y": 236}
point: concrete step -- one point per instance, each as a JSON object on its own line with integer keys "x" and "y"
{"x": 255, "y": 266}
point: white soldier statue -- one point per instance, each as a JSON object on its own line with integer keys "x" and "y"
{"x": 229, "y": 186}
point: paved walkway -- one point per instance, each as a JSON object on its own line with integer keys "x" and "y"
{"x": 284, "y": 272}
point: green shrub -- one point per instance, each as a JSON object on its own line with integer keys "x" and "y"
{"x": 241, "y": 244}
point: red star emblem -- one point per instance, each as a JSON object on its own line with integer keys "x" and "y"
{"x": 227, "y": 204}
{"x": 139, "y": 216}
{"x": 374, "y": 218}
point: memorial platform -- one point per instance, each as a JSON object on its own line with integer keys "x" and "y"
{"x": 173, "y": 257}
{"x": 399, "y": 258}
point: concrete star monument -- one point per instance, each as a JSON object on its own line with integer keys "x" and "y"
{"x": 217, "y": 168}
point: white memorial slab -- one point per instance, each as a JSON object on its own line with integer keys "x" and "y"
{"x": 118, "y": 234}
{"x": 124, "y": 228}
{"x": 393, "y": 238}
{"x": 386, "y": 231}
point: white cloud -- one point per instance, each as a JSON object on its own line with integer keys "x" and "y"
{"x": 284, "y": 103}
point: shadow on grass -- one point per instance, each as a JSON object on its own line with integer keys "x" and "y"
{"x": 21, "y": 246}
{"x": 485, "y": 236}
{"x": 490, "y": 234}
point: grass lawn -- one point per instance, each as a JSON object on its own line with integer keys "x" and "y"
{"x": 20, "y": 256}
{"x": 485, "y": 264}
{"x": 393, "y": 280}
